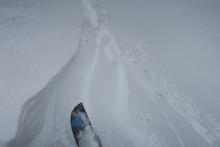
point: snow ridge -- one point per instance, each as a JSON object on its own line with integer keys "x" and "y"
{"x": 128, "y": 103}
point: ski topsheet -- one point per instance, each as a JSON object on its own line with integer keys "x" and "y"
{"x": 83, "y": 131}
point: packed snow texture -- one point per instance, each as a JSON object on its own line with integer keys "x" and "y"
{"x": 128, "y": 103}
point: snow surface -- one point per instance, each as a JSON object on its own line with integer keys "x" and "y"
{"x": 128, "y": 103}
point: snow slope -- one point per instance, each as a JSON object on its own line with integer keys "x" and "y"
{"x": 36, "y": 39}
{"x": 127, "y": 102}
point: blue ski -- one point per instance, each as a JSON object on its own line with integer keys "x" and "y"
{"x": 83, "y": 131}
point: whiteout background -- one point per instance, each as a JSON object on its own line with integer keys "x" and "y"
{"x": 39, "y": 37}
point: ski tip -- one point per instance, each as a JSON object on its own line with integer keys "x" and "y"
{"x": 79, "y": 107}
{"x": 79, "y": 122}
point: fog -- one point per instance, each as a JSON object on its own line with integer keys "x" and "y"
{"x": 167, "y": 71}
{"x": 182, "y": 39}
